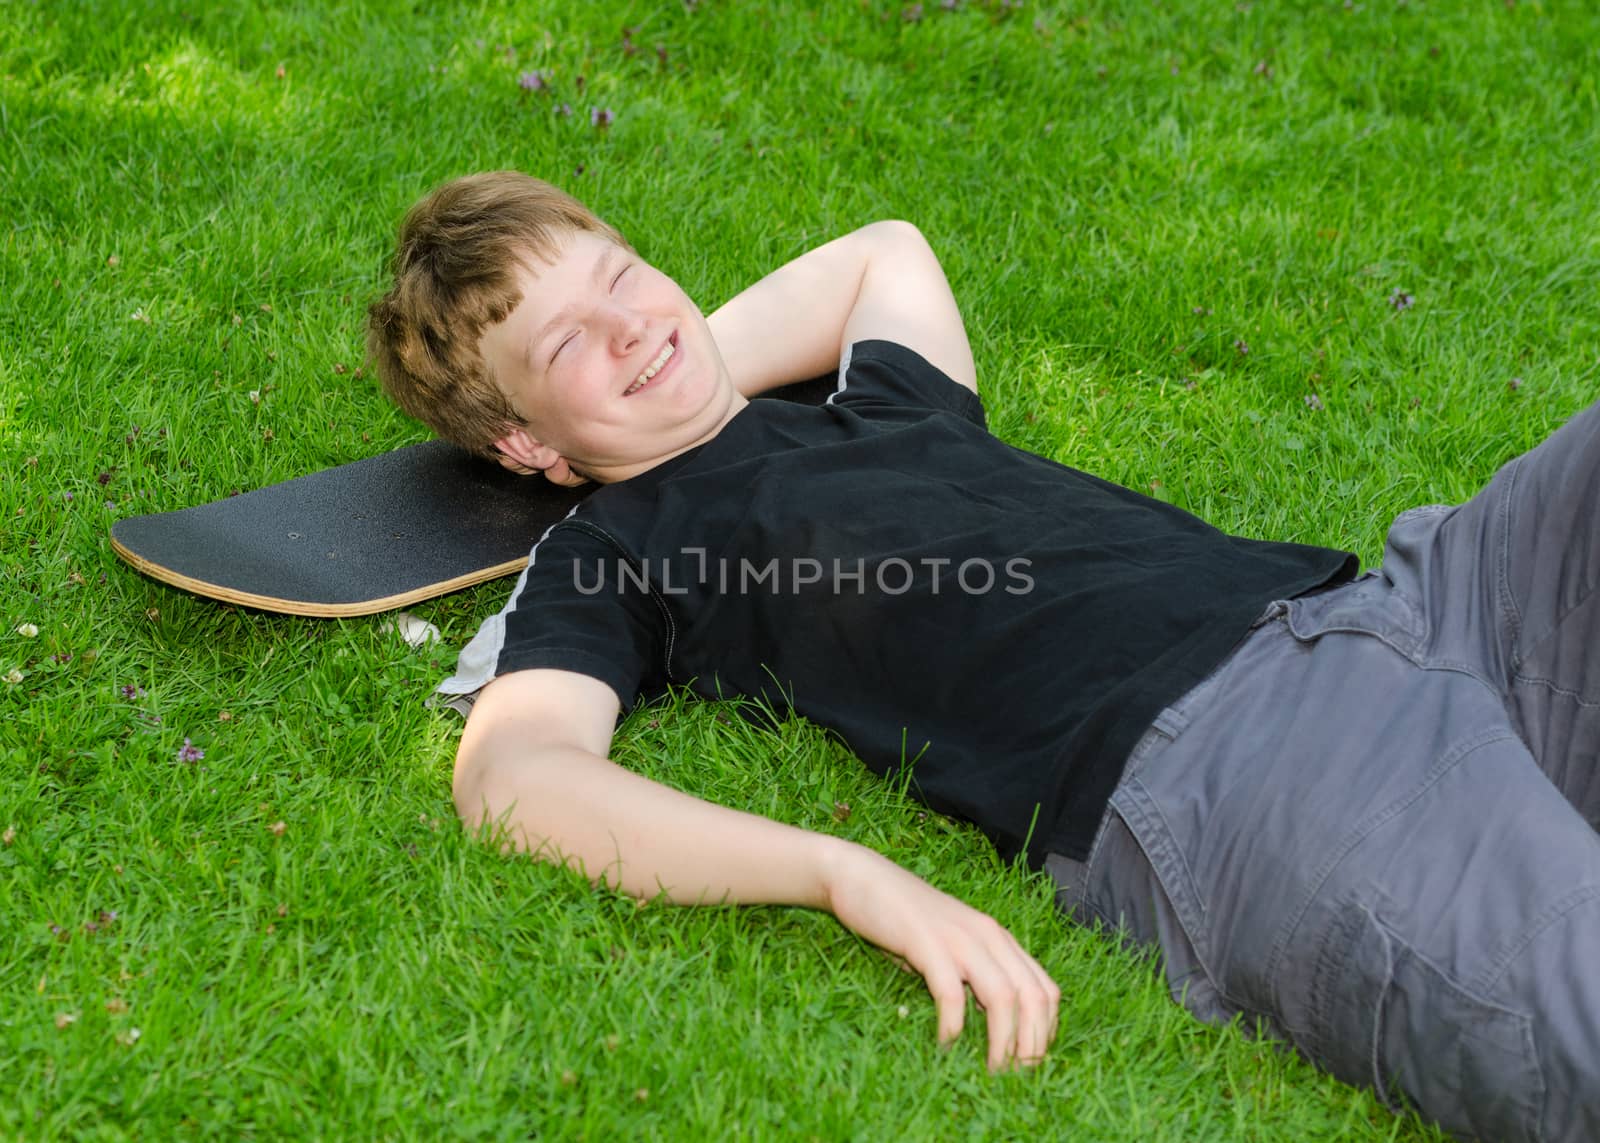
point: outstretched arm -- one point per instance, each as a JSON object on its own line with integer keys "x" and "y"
{"x": 881, "y": 281}
{"x": 533, "y": 757}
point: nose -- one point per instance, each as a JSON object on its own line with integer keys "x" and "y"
{"x": 627, "y": 328}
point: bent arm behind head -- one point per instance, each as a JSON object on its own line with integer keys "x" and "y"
{"x": 882, "y": 281}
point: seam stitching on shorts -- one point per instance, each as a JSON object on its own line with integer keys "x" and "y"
{"x": 1447, "y": 762}
{"x": 1091, "y": 863}
{"x": 1198, "y": 944}
{"x": 1411, "y": 654}
{"x": 1473, "y": 994}
{"x": 1586, "y": 596}
{"x": 1144, "y": 807}
{"x": 1508, "y": 601}
{"x": 1557, "y": 911}
{"x": 1564, "y": 692}
{"x": 1182, "y": 860}
{"x": 1414, "y": 655}
{"x": 1459, "y": 668}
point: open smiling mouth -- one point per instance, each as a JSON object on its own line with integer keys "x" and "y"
{"x": 655, "y": 368}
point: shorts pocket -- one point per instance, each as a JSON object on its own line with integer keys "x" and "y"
{"x": 1371, "y": 605}
{"x": 1391, "y": 1020}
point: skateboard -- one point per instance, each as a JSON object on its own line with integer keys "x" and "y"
{"x": 365, "y": 537}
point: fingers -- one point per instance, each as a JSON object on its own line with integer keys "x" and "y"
{"x": 558, "y": 473}
{"x": 949, "y": 992}
{"x": 1019, "y": 1000}
{"x": 954, "y": 947}
{"x": 1038, "y": 1005}
{"x": 561, "y": 473}
{"x": 1018, "y": 997}
{"x": 1052, "y": 997}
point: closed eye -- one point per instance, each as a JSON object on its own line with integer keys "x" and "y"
{"x": 569, "y": 337}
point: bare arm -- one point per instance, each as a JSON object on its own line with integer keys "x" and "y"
{"x": 533, "y": 756}
{"x": 534, "y": 752}
{"x": 881, "y": 281}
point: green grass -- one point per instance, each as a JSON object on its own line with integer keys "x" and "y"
{"x": 196, "y": 206}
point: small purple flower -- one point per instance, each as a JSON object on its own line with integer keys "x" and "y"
{"x": 1514, "y": 384}
{"x": 564, "y": 109}
{"x": 1242, "y": 349}
{"x": 1201, "y": 311}
{"x": 131, "y": 692}
{"x": 1314, "y": 402}
{"x": 601, "y": 117}
{"x": 913, "y": 14}
{"x": 104, "y": 478}
{"x": 532, "y": 81}
{"x": 949, "y": 5}
{"x": 1401, "y": 300}
{"x": 188, "y": 752}
{"x": 67, "y": 496}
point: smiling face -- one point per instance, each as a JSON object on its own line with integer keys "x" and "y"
{"x": 608, "y": 361}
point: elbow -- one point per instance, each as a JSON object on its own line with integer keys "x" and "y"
{"x": 894, "y": 233}
{"x": 486, "y": 800}
{"x": 471, "y": 787}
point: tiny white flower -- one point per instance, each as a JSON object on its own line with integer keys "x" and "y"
{"x": 14, "y": 676}
{"x": 28, "y": 631}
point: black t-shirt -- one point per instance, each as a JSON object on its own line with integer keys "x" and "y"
{"x": 1005, "y": 626}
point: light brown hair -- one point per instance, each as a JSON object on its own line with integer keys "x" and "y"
{"x": 454, "y": 276}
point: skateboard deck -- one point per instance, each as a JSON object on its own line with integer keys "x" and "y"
{"x": 364, "y": 537}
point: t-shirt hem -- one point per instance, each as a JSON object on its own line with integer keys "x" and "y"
{"x": 1082, "y": 811}
{"x": 460, "y": 693}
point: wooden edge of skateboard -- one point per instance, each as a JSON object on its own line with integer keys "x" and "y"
{"x": 310, "y": 608}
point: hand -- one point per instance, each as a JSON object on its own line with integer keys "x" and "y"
{"x": 558, "y": 473}
{"x": 954, "y": 947}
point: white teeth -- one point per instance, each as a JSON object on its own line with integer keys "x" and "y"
{"x": 652, "y": 369}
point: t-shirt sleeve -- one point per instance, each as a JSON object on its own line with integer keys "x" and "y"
{"x": 884, "y": 373}
{"x": 566, "y": 613}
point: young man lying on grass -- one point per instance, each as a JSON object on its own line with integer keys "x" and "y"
{"x": 1356, "y": 809}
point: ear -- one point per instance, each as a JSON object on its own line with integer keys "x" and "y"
{"x": 524, "y": 451}
{"x": 521, "y": 453}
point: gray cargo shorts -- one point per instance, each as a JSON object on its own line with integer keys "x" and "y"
{"x": 1372, "y": 829}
